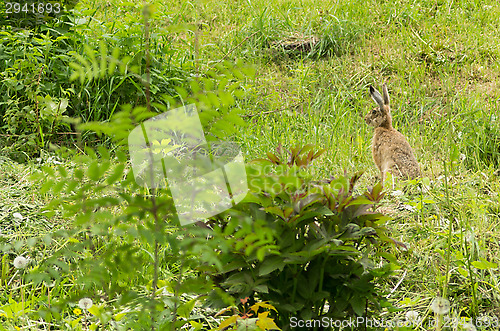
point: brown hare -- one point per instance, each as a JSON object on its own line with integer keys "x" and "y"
{"x": 391, "y": 151}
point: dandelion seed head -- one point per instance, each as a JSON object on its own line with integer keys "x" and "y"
{"x": 85, "y": 303}
{"x": 407, "y": 207}
{"x": 411, "y": 315}
{"x": 469, "y": 236}
{"x": 20, "y": 262}
{"x": 440, "y": 306}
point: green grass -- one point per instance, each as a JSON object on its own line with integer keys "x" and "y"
{"x": 440, "y": 60}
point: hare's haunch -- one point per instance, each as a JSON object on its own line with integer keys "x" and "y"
{"x": 391, "y": 151}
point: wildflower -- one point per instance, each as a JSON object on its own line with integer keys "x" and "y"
{"x": 85, "y": 303}
{"x": 406, "y": 207}
{"x": 20, "y": 262}
{"x": 18, "y": 216}
{"x": 440, "y": 306}
{"x": 412, "y": 316}
{"x": 77, "y": 311}
{"x": 469, "y": 236}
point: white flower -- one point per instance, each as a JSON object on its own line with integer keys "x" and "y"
{"x": 469, "y": 327}
{"x": 412, "y": 316}
{"x": 53, "y": 160}
{"x": 443, "y": 221}
{"x": 406, "y": 207}
{"x": 397, "y": 193}
{"x": 462, "y": 157}
{"x": 18, "y": 216}
{"x": 470, "y": 236}
{"x": 440, "y": 306}
{"x": 85, "y": 303}
{"x": 20, "y": 262}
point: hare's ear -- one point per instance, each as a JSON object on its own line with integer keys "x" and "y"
{"x": 386, "y": 94}
{"x": 376, "y": 96}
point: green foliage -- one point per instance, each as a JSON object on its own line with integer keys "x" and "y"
{"x": 301, "y": 245}
{"x": 33, "y": 69}
{"x": 298, "y": 156}
{"x": 124, "y": 248}
{"x": 108, "y": 78}
{"x": 310, "y": 249}
{"x": 38, "y": 69}
{"x": 249, "y": 317}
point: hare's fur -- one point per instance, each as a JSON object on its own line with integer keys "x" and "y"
{"x": 391, "y": 151}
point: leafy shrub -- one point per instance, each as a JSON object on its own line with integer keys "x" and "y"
{"x": 306, "y": 247}
{"x": 33, "y": 76}
{"x": 120, "y": 244}
{"x": 37, "y": 73}
{"x": 249, "y": 317}
{"x": 311, "y": 249}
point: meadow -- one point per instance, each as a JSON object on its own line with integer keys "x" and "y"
{"x": 301, "y": 72}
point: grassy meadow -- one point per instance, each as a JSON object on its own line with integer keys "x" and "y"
{"x": 441, "y": 62}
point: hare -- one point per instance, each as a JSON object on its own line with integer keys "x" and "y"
{"x": 391, "y": 151}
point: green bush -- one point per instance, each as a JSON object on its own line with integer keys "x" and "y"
{"x": 38, "y": 69}
{"x": 118, "y": 243}
{"x": 312, "y": 249}
{"x": 307, "y": 248}
{"x": 33, "y": 77}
